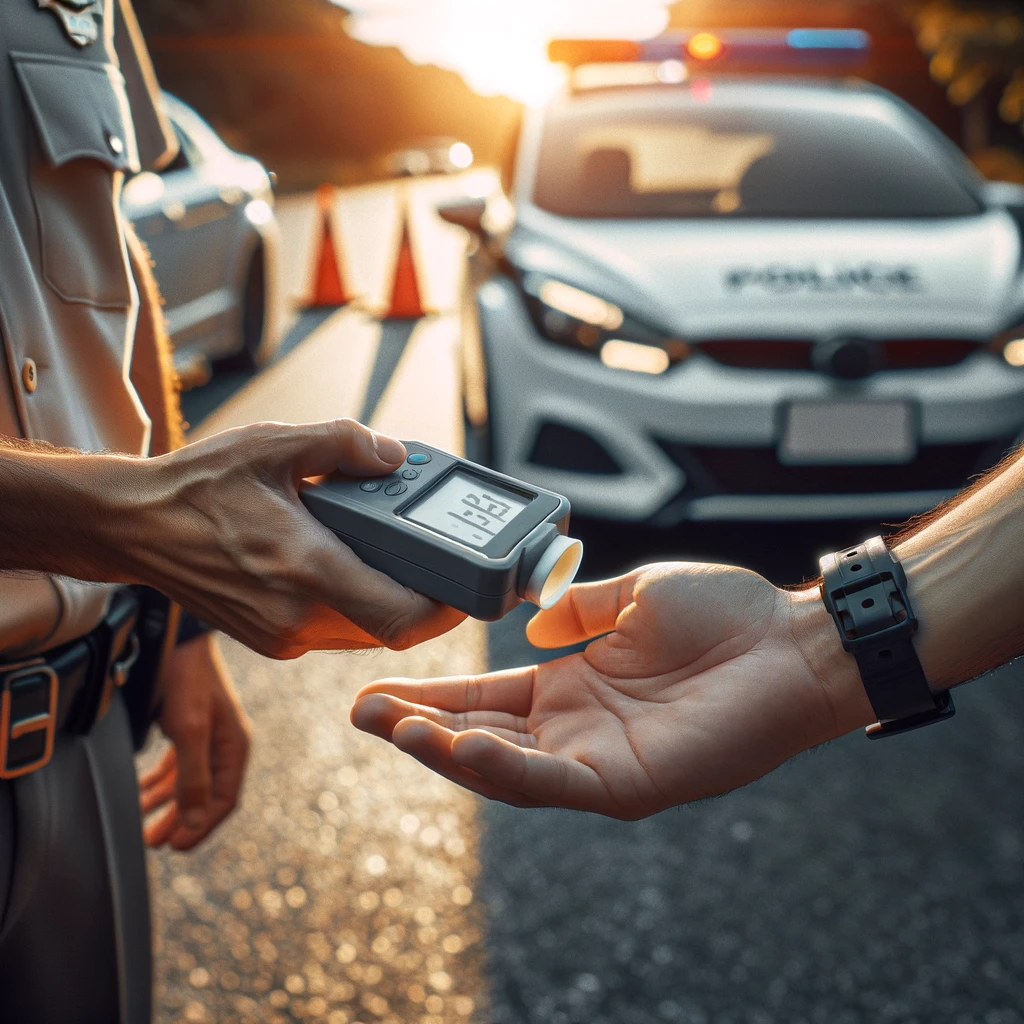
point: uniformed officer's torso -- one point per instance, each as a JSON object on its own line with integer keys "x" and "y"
{"x": 68, "y": 303}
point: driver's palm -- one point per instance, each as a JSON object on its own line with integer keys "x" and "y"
{"x": 697, "y": 687}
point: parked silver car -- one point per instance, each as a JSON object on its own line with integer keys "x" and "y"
{"x": 208, "y": 220}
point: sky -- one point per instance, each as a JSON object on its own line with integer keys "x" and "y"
{"x": 499, "y": 46}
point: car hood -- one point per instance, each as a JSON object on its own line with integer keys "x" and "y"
{"x": 774, "y": 278}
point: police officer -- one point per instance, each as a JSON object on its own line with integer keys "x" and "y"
{"x": 92, "y": 531}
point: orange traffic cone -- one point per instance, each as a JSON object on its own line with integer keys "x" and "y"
{"x": 406, "y": 301}
{"x": 328, "y": 285}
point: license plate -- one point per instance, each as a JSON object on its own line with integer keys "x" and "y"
{"x": 848, "y": 433}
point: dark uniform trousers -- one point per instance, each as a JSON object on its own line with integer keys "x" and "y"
{"x": 75, "y": 933}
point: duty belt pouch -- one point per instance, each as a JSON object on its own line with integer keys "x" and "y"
{"x": 157, "y": 631}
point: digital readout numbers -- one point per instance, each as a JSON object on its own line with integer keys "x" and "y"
{"x": 467, "y": 509}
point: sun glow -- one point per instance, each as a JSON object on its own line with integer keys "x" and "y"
{"x": 497, "y": 46}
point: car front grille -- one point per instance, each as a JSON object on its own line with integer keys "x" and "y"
{"x": 781, "y": 354}
{"x": 754, "y": 471}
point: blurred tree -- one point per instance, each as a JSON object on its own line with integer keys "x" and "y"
{"x": 284, "y": 82}
{"x": 976, "y": 50}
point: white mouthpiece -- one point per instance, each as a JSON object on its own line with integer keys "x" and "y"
{"x": 555, "y": 572}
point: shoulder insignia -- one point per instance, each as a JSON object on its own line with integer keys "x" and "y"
{"x": 78, "y": 18}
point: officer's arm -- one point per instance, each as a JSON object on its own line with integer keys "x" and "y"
{"x": 218, "y": 527}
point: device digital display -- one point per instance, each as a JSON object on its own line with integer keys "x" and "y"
{"x": 468, "y": 509}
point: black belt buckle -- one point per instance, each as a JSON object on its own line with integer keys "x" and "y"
{"x": 28, "y": 717}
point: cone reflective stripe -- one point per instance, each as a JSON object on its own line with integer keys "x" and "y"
{"x": 406, "y": 298}
{"x": 328, "y": 287}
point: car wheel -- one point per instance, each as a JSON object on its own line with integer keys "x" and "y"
{"x": 254, "y": 314}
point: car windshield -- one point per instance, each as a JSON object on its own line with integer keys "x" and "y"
{"x": 604, "y": 159}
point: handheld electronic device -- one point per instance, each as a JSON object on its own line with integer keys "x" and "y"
{"x": 464, "y": 535}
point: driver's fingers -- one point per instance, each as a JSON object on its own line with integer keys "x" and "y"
{"x": 379, "y": 713}
{"x": 510, "y": 691}
{"x": 431, "y": 745}
{"x": 534, "y": 774}
{"x": 586, "y": 611}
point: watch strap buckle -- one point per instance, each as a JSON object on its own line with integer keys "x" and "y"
{"x": 944, "y": 709}
{"x": 865, "y": 591}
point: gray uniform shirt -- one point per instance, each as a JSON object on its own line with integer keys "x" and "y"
{"x": 73, "y": 120}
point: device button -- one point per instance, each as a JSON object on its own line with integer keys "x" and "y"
{"x": 371, "y": 485}
{"x": 418, "y": 459}
{"x": 396, "y": 488}
{"x": 410, "y": 474}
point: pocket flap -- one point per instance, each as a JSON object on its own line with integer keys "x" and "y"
{"x": 80, "y": 109}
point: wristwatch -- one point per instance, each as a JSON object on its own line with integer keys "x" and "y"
{"x": 865, "y": 590}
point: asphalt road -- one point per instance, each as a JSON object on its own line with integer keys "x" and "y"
{"x": 861, "y": 883}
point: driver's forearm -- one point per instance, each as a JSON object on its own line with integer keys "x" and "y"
{"x": 65, "y": 512}
{"x": 965, "y": 580}
{"x": 965, "y": 574}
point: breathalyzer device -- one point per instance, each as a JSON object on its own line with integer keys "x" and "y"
{"x": 462, "y": 534}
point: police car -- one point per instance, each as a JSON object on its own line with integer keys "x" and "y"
{"x": 208, "y": 220}
{"x": 735, "y": 298}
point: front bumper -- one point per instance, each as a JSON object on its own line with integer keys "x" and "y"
{"x": 699, "y": 442}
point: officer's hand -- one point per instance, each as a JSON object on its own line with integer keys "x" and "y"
{"x": 198, "y": 781}
{"x": 708, "y": 678}
{"x": 222, "y": 531}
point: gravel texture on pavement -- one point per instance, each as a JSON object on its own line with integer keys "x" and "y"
{"x": 342, "y": 890}
{"x": 863, "y": 882}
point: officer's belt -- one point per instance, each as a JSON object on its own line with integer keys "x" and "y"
{"x": 66, "y": 689}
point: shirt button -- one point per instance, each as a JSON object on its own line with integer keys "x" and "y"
{"x": 29, "y": 376}
{"x": 115, "y": 144}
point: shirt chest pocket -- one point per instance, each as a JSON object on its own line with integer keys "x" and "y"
{"x": 85, "y": 142}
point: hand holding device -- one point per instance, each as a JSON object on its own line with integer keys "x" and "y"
{"x": 218, "y": 527}
{"x": 704, "y": 678}
{"x": 457, "y": 532}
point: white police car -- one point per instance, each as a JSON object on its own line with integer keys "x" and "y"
{"x": 746, "y": 299}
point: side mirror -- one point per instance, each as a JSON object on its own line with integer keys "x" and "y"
{"x": 465, "y": 213}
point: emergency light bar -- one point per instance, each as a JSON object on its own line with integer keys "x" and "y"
{"x": 783, "y": 47}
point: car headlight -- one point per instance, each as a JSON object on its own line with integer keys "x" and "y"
{"x": 570, "y": 316}
{"x": 1009, "y": 345}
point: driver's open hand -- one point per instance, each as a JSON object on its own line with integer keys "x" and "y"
{"x": 704, "y": 678}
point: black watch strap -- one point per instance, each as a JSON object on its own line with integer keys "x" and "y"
{"x": 865, "y": 590}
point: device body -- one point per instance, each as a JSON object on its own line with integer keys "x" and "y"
{"x": 457, "y": 532}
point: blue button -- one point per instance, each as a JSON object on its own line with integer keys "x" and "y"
{"x": 418, "y": 459}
